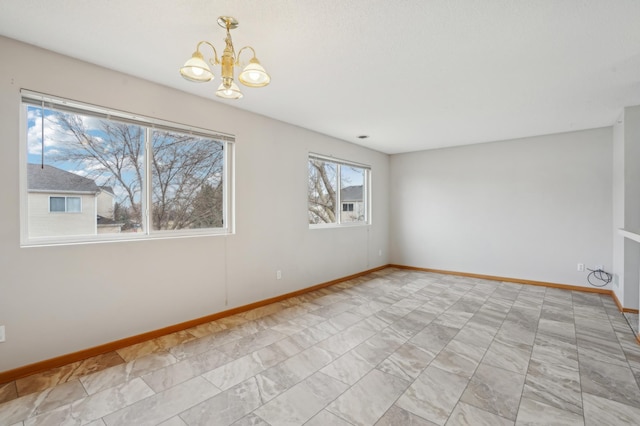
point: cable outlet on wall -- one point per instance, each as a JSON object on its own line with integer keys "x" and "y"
{"x": 580, "y": 267}
{"x": 278, "y": 274}
{"x": 599, "y": 267}
{"x": 2, "y": 336}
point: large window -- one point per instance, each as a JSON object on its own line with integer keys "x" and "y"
{"x": 125, "y": 176}
{"x": 338, "y": 192}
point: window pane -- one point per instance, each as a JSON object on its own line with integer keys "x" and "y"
{"x": 322, "y": 187}
{"x": 73, "y": 205}
{"x": 352, "y": 192}
{"x": 98, "y": 159}
{"x": 187, "y": 181}
{"x": 56, "y": 204}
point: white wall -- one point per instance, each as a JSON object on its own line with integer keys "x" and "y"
{"x": 529, "y": 208}
{"x": 48, "y": 306}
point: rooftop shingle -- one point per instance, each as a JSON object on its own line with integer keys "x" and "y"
{"x": 351, "y": 193}
{"x": 52, "y": 178}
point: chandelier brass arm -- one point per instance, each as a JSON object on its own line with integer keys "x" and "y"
{"x": 214, "y": 60}
{"x": 197, "y": 70}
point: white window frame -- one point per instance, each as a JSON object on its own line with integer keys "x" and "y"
{"x": 366, "y": 192}
{"x": 66, "y": 205}
{"x": 49, "y": 101}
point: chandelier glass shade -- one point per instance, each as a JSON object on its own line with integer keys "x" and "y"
{"x": 197, "y": 70}
{"x": 231, "y": 92}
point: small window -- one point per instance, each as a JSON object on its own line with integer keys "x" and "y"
{"x": 65, "y": 205}
{"x": 347, "y": 207}
{"x": 338, "y": 192}
{"x": 74, "y": 204}
{"x": 57, "y": 204}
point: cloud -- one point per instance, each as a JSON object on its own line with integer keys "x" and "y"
{"x": 55, "y": 136}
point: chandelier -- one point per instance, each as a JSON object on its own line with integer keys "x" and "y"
{"x": 197, "y": 70}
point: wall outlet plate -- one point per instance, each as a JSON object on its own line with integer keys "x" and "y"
{"x": 2, "y": 336}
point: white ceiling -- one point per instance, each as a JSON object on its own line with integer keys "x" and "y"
{"x": 413, "y": 74}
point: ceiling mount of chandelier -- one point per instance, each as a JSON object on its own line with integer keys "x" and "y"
{"x": 197, "y": 70}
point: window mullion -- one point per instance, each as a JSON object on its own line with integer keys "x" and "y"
{"x": 147, "y": 192}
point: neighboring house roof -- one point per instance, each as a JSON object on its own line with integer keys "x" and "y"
{"x": 351, "y": 193}
{"x": 52, "y": 179}
{"x": 108, "y": 189}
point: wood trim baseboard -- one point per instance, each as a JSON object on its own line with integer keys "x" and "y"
{"x": 620, "y": 307}
{"x": 38, "y": 367}
{"x": 506, "y": 279}
{"x": 615, "y": 299}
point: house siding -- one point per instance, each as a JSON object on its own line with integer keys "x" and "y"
{"x": 42, "y": 223}
{"x": 358, "y": 212}
{"x": 105, "y": 204}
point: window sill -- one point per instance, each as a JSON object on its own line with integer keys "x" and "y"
{"x": 49, "y": 242}
{"x": 339, "y": 226}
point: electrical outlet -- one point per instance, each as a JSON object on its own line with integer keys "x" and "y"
{"x": 599, "y": 268}
{"x": 278, "y": 274}
{"x": 380, "y": 252}
{"x": 2, "y": 336}
{"x": 580, "y": 267}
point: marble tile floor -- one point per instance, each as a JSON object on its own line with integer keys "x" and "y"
{"x": 395, "y": 347}
{"x": 632, "y": 319}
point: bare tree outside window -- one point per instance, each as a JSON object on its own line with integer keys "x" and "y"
{"x": 187, "y": 181}
{"x": 110, "y": 153}
{"x": 322, "y": 191}
{"x": 186, "y": 171}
